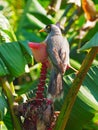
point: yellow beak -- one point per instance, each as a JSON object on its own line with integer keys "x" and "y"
{"x": 42, "y": 30}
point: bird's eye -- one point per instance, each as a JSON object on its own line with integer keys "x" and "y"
{"x": 48, "y": 28}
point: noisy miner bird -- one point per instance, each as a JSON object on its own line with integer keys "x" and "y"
{"x": 58, "y": 52}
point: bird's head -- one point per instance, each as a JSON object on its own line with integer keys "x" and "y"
{"x": 51, "y": 29}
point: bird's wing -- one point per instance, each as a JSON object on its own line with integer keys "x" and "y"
{"x": 59, "y": 58}
{"x": 64, "y": 54}
{"x": 59, "y": 53}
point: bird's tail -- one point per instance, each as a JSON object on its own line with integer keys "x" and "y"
{"x": 55, "y": 88}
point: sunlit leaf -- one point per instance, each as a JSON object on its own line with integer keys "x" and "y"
{"x": 92, "y": 43}
{"x": 13, "y": 58}
{"x": 6, "y": 31}
{"x": 77, "y": 2}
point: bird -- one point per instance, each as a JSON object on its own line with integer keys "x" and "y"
{"x": 58, "y": 51}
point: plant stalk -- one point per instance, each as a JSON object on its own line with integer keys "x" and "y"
{"x": 54, "y": 6}
{"x": 72, "y": 94}
{"x": 10, "y": 99}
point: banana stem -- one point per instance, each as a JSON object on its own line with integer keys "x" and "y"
{"x": 7, "y": 90}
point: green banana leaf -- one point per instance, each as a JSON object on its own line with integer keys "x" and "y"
{"x": 92, "y": 43}
{"x": 3, "y": 69}
{"x": 13, "y": 58}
